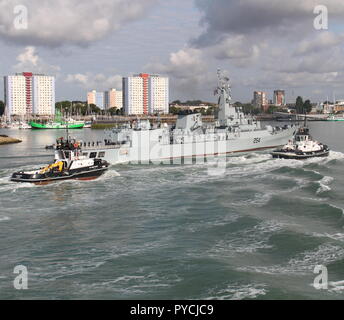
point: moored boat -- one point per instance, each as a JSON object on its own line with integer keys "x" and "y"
{"x": 56, "y": 125}
{"x": 335, "y": 118}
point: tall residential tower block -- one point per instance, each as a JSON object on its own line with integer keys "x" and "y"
{"x": 146, "y": 94}
{"x": 28, "y": 93}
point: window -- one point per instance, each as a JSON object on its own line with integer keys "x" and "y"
{"x": 93, "y": 155}
{"x": 101, "y": 154}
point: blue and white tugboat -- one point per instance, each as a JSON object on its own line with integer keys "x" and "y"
{"x": 70, "y": 163}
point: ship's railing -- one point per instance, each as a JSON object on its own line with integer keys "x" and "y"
{"x": 104, "y": 146}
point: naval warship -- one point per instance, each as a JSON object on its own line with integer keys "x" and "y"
{"x": 190, "y": 139}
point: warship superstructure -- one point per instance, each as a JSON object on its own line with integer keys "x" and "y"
{"x": 232, "y": 132}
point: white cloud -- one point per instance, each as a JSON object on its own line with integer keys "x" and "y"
{"x": 90, "y": 81}
{"x": 323, "y": 41}
{"x": 29, "y": 60}
{"x": 188, "y": 72}
{"x": 56, "y": 23}
{"x": 272, "y": 18}
{"x": 239, "y": 49}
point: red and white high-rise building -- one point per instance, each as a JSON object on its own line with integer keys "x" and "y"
{"x": 29, "y": 93}
{"x": 146, "y": 94}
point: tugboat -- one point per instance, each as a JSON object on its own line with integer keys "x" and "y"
{"x": 69, "y": 163}
{"x": 303, "y": 146}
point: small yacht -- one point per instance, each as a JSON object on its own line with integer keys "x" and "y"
{"x": 69, "y": 163}
{"x": 24, "y": 126}
{"x": 303, "y": 146}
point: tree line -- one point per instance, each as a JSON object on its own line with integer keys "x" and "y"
{"x": 82, "y": 108}
{"x": 2, "y": 108}
{"x": 303, "y": 107}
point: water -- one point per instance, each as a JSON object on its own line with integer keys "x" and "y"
{"x": 175, "y": 232}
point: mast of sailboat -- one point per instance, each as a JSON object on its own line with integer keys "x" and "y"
{"x": 66, "y": 120}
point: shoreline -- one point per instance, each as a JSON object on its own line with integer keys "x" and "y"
{"x": 8, "y": 140}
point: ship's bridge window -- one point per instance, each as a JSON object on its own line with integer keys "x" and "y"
{"x": 93, "y": 155}
{"x": 101, "y": 154}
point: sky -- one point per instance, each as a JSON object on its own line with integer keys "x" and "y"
{"x": 259, "y": 44}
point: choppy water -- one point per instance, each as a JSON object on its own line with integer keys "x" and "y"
{"x": 175, "y": 232}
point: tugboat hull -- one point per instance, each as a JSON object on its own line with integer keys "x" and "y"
{"x": 41, "y": 179}
{"x": 303, "y": 156}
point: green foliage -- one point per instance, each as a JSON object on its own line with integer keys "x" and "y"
{"x": 272, "y": 109}
{"x": 2, "y": 108}
{"x": 211, "y": 111}
{"x": 115, "y": 111}
{"x": 303, "y": 107}
{"x": 63, "y": 106}
{"x": 247, "y": 108}
{"x": 77, "y": 107}
{"x": 174, "y": 110}
{"x": 307, "y": 106}
{"x": 299, "y": 105}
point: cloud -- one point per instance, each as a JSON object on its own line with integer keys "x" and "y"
{"x": 323, "y": 41}
{"x": 239, "y": 49}
{"x": 90, "y": 81}
{"x": 251, "y": 17}
{"x": 61, "y": 22}
{"x": 188, "y": 71}
{"x": 29, "y": 60}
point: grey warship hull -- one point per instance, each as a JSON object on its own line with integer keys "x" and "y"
{"x": 150, "y": 151}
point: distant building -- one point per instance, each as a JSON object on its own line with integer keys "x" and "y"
{"x": 328, "y": 107}
{"x": 279, "y": 98}
{"x": 260, "y": 100}
{"x": 145, "y": 94}
{"x": 114, "y": 99}
{"x": 100, "y": 100}
{"x": 106, "y": 100}
{"x": 339, "y": 107}
{"x": 91, "y": 97}
{"x": 28, "y": 93}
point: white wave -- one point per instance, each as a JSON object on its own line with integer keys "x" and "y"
{"x": 140, "y": 283}
{"x": 249, "y": 240}
{"x": 228, "y": 219}
{"x": 334, "y": 155}
{"x": 111, "y": 174}
{"x": 324, "y": 184}
{"x": 304, "y": 263}
{"x": 260, "y": 199}
{"x": 4, "y": 219}
{"x": 336, "y": 287}
{"x": 249, "y": 159}
{"x": 336, "y": 207}
{"x": 336, "y": 236}
{"x": 14, "y": 186}
{"x": 239, "y": 292}
{"x": 272, "y": 164}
